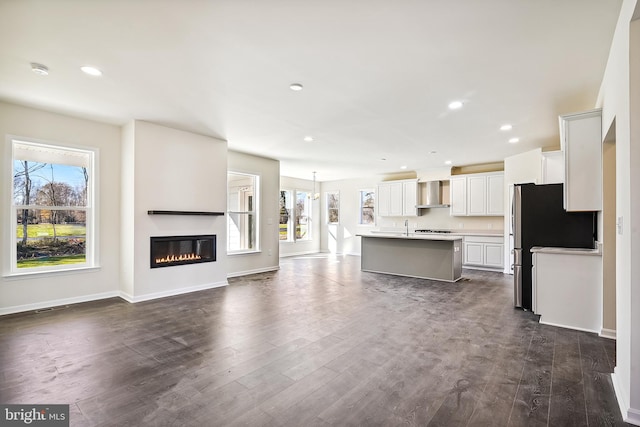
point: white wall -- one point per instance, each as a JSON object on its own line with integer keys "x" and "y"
{"x": 32, "y": 292}
{"x": 620, "y": 100}
{"x": 171, "y": 170}
{"x": 269, "y": 172}
{"x": 303, "y": 246}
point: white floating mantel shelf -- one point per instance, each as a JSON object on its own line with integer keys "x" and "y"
{"x": 198, "y": 213}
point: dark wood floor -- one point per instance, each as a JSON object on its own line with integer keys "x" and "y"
{"x": 317, "y": 343}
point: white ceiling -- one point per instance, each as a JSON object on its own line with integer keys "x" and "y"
{"x": 377, "y": 74}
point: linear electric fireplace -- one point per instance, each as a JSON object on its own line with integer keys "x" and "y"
{"x": 181, "y": 250}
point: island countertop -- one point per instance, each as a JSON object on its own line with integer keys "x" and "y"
{"x": 412, "y": 236}
{"x": 426, "y": 256}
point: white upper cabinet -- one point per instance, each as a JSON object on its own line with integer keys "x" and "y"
{"x": 552, "y": 167}
{"x": 581, "y": 141}
{"x": 409, "y": 198}
{"x": 398, "y": 198}
{"x": 479, "y": 194}
{"x": 476, "y": 195}
{"x": 458, "y": 191}
{"x": 495, "y": 194}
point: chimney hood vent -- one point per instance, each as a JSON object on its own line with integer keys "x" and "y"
{"x": 433, "y": 198}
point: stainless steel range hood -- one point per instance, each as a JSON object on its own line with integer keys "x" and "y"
{"x": 433, "y": 198}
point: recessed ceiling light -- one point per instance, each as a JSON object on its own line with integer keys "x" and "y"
{"x": 92, "y": 71}
{"x": 308, "y": 139}
{"x": 447, "y": 162}
{"x": 432, "y": 152}
{"x": 39, "y": 69}
{"x": 296, "y": 87}
{"x": 403, "y": 167}
{"x": 383, "y": 158}
{"x": 514, "y": 140}
{"x": 506, "y": 127}
{"x": 455, "y": 105}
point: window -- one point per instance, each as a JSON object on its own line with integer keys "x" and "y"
{"x": 285, "y": 216}
{"x": 295, "y": 215}
{"x": 52, "y": 207}
{"x": 367, "y": 206}
{"x": 303, "y": 215}
{"x": 242, "y": 207}
{"x": 333, "y": 207}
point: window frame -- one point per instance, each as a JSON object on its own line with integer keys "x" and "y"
{"x": 290, "y": 215}
{"x": 309, "y": 211}
{"x": 91, "y": 209}
{"x": 292, "y": 221}
{"x": 328, "y": 208}
{"x": 360, "y": 207}
{"x": 255, "y": 211}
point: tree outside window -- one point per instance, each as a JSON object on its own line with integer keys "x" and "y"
{"x": 367, "y": 207}
{"x": 333, "y": 207}
{"x": 285, "y": 216}
{"x": 303, "y": 215}
{"x": 52, "y": 206}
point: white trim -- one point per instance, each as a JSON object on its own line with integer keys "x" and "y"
{"x": 629, "y": 415}
{"x": 46, "y": 273}
{"x": 633, "y": 417}
{"x": 479, "y": 267}
{"x": 567, "y": 327}
{"x": 255, "y": 271}
{"x": 608, "y": 333}
{"x": 58, "y": 302}
{"x": 91, "y": 208}
{"x": 174, "y": 292}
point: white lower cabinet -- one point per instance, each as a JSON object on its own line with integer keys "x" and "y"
{"x": 567, "y": 288}
{"x": 485, "y": 252}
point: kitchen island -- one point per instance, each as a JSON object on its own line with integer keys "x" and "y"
{"x": 436, "y": 257}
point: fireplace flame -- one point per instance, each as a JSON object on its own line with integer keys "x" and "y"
{"x": 178, "y": 258}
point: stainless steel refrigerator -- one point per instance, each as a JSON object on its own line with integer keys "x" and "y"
{"x": 539, "y": 219}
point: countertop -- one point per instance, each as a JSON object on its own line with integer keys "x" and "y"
{"x": 451, "y": 232}
{"x": 411, "y": 236}
{"x": 568, "y": 251}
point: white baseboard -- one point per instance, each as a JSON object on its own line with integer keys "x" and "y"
{"x": 170, "y": 293}
{"x": 292, "y": 254}
{"x": 255, "y": 271}
{"x": 479, "y": 267}
{"x": 608, "y": 333}
{"x": 57, "y": 302}
{"x": 566, "y": 327}
{"x": 633, "y": 417}
{"x": 629, "y": 415}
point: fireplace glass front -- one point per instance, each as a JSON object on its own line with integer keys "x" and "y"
{"x": 181, "y": 250}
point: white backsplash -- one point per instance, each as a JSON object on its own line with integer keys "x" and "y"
{"x": 439, "y": 219}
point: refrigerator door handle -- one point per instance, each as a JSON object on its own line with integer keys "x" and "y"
{"x": 516, "y": 217}
{"x": 517, "y": 256}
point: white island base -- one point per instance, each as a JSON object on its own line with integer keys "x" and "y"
{"x": 425, "y": 257}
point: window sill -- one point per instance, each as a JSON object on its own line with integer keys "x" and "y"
{"x": 49, "y": 273}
